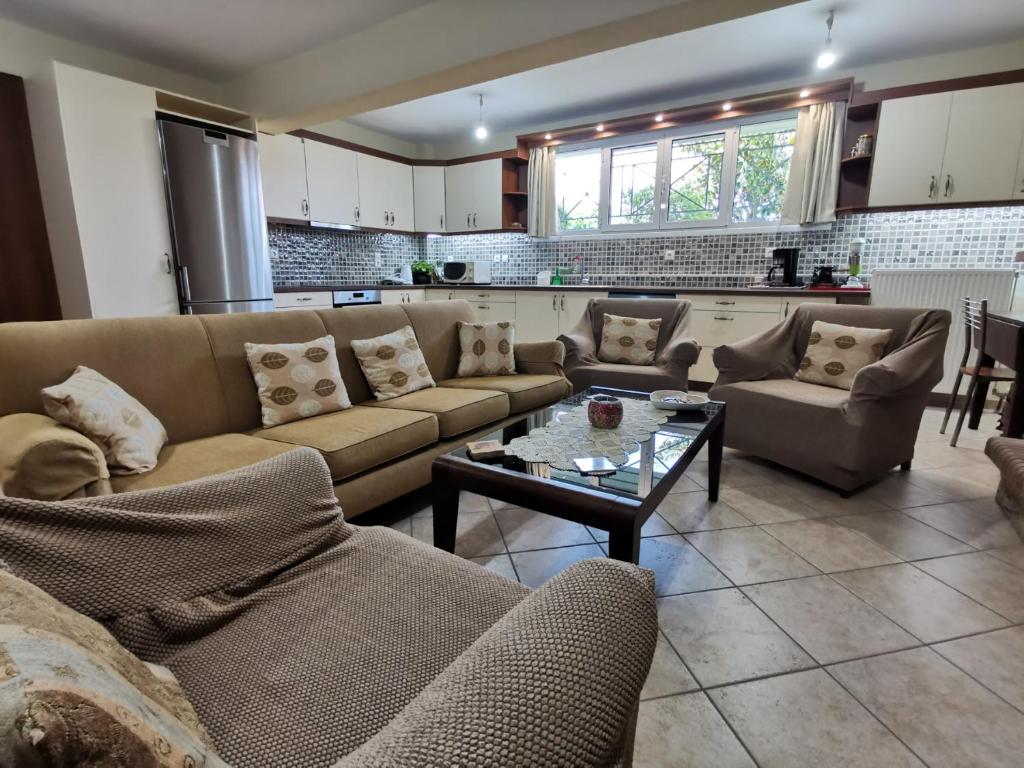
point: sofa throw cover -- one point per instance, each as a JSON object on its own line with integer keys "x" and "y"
{"x": 485, "y": 349}
{"x": 296, "y": 381}
{"x": 128, "y": 434}
{"x": 628, "y": 340}
{"x": 836, "y": 353}
{"x": 74, "y": 696}
{"x": 393, "y": 363}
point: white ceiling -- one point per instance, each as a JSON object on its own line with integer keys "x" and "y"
{"x": 212, "y": 39}
{"x": 769, "y": 47}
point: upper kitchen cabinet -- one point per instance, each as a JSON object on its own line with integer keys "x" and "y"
{"x": 428, "y": 194}
{"x": 283, "y": 168}
{"x": 1018, "y": 193}
{"x": 333, "y": 184}
{"x": 102, "y": 185}
{"x": 385, "y": 193}
{"x": 908, "y": 154}
{"x": 473, "y": 196}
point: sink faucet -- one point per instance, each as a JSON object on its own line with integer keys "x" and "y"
{"x": 584, "y": 280}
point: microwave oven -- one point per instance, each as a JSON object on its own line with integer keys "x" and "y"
{"x": 473, "y": 272}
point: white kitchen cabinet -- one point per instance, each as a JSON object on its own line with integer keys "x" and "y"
{"x": 545, "y": 314}
{"x": 571, "y": 306}
{"x": 907, "y": 164}
{"x": 473, "y": 196}
{"x": 103, "y": 193}
{"x": 283, "y": 168}
{"x": 403, "y": 296}
{"x": 428, "y": 197}
{"x": 982, "y": 144}
{"x": 495, "y": 311}
{"x": 401, "y": 199}
{"x": 1018, "y": 192}
{"x": 333, "y": 184}
{"x": 292, "y": 300}
{"x": 385, "y": 193}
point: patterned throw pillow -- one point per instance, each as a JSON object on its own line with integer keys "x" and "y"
{"x": 486, "y": 349}
{"x": 835, "y": 353}
{"x": 296, "y": 381}
{"x": 74, "y": 696}
{"x": 393, "y": 363}
{"x": 628, "y": 340}
{"x": 129, "y": 435}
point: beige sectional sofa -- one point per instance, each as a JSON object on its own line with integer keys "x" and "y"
{"x": 192, "y": 373}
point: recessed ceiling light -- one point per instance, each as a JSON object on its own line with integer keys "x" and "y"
{"x": 547, "y": 136}
{"x": 600, "y": 127}
{"x": 804, "y": 93}
{"x": 659, "y": 117}
{"x": 727, "y": 106}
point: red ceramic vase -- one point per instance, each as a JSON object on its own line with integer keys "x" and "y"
{"x": 604, "y": 411}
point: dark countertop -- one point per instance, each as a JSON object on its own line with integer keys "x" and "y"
{"x": 594, "y": 288}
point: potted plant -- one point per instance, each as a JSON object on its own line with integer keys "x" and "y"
{"x": 422, "y": 272}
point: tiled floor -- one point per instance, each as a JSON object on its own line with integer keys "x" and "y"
{"x": 799, "y": 628}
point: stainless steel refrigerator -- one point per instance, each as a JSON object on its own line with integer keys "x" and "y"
{"x": 218, "y": 227}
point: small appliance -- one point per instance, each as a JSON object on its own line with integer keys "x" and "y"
{"x": 356, "y": 298}
{"x": 823, "y": 275}
{"x": 783, "y": 271}
{"x": 473, "y": 272}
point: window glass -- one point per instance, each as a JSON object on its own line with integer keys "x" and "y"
{"x": 577, "y": 189}
{"x": 695, "y": 178}
{"x": 762, "y": 170}
{"x": 631, "y": 185}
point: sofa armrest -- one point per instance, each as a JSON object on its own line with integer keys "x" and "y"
{"x": 911, "y": 370}
{"x": 41, "y": 459}
{"x": 766, "y": 355}
{"x": 555, "y": 682}
{"x": 540, "y": 357}
{"x": 679, "y": 353}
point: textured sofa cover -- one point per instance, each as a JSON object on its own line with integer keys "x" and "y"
{"x": 303, "y": 640}
{"x": 1007, "y": 453}
{"x": 844, "y": 438}
{"x": 677, "y": 350}
{"x": 191, "y": 372}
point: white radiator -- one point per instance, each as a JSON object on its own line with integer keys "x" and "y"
{"x": 944, "y": 289}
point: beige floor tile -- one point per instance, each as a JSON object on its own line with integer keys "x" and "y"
{"x": 476, "y": 535}
{"x": 655, "y": 526}
{"x": 952, "y": 482}
{"x": 686, "y": 731}
{"x": 499, "y": 564}
{"x": 472, "y": 502}
{"x": 1013, "y": 554}
{"x": 995, "y": 659}
{"x": 767, "y": 504}
{"x": 534, "y": 568}
{"x": 903, "y": 535}
{"x": 993, "y": 583}
{"x": 685, "y": 485}
{"x": 724, "y": 637}
{"x": 937, "y": 455}
{"x": 750, "y": 556}
{"x": 829, "y": 546}
{"x": 668, "y": 675}
{"x": 525, "y": 529}
{"x": 827, "y": 502}
{"x": 919, "y": 603}
{"x": 982, "y": 474}
{"x": 981, "y": 523}
{"x": 692, "y": 511}
{"x": 899, "y": 491}
{"x": 937, "y": 710}
{"x": 678, "y": 567}
{"x": 827, "y": 621}
{"x": 733, "y": 475}
{"x": 807, "y": 719}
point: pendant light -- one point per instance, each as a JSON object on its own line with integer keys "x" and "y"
{"x": 827, "y": 57}
{"x": 481, "y": 129}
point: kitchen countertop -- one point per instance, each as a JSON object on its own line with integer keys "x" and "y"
{"x": 594, "y": 288}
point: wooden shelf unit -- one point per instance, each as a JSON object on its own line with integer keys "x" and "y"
{"x": 855, "y": 172}
{"x": 514, "y": 195}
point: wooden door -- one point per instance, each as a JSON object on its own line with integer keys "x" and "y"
{"x": 333, "y": 183}
{"x": 911, "y": 141}
{"x": 283, "y": 168}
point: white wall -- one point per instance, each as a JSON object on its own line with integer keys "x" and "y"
{"x": 340, "y": 129}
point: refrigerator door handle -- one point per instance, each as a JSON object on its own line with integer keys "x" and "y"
{"x": 186, "y": 293}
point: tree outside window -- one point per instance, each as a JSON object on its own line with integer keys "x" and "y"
{"x": 578, "y": 189}
{"x": 632, "y": 183}
{"x": 695, "y": 181}
{"x": 762, "y": 170}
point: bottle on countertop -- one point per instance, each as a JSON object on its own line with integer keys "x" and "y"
{"x": 556, "y": 279}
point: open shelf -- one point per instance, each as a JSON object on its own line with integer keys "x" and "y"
{"x": 514, "y": 197}
{"x": 848, "y": 162}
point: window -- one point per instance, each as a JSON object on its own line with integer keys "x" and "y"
{"x": 578, "y": 189}
{"x": 731, "y": 175}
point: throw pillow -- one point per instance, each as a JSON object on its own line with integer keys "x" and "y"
{"x": 74, "y": 696}
{"x": 486, "y": 349}
{"x": 835, "y": 353}
{"x": 129, "y": 435}
{"x": 393, "y": 363}
{"x": 628, "y": 340}
{"x": 296, "y": 381}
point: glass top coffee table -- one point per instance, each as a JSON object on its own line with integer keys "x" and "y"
{"x": 619, "y": 503}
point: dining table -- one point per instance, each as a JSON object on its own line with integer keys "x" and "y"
{"x": 1004, "y": 344}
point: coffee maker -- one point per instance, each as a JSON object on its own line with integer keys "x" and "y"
{"x": 783, "y": 271}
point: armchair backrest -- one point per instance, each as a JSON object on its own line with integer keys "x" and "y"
{"x": 672, "y": 314}
{"x": 905, "y": 322}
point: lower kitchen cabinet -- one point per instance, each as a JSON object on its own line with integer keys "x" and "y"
{"x": 544, "y": 315}
{"x": 410, "y": 296}
{"x": 284, "y": 302}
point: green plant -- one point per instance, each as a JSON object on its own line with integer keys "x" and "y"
{"x": 422, "y": 266}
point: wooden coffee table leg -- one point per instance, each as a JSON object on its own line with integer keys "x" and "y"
{"x": 716, "y": 441}
{"x": 446, "y": 510}
{"x": 624, "y": 544}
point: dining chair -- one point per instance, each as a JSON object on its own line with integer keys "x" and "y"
{"x": 975, "y": 319}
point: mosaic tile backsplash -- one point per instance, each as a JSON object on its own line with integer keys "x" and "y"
{"x": 951, "y": 238}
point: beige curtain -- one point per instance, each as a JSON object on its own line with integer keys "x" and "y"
{"x": 540, "y": 184}
{"x": 814, "y": 171}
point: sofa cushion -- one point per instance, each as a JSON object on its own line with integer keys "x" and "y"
{"x": 836, "y": 353}
{"x": 525, "y": 391}
{"x": 358, "y": 438}
{"x": 628, "y": 340}
{"x": 457, "y": 410}
{"x": 201, "y": 458}
{"x": 639, "y": 378}
{"x": 787, "y": 394}
{"x": 393, "y": 363}
{"x": 485, "y": 349}
{"x": 41, "y": 459}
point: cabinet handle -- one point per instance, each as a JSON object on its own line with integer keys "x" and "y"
{"x": 304, "y": 298}
{"x": 357, "y": 212}
{"x": 305, "y": 208}
{"x": 554, "y": 303}
{"x": 167, "y": 264}
{"x": 716, "y": 317}
{"x": 482, "y": 306}
{"x": 474, "y": 219}
{"x": 563, "y": 302}
{"x": 949, "y": 184}
{"x": 725, "y": 303}
{"x": 392, "y": 218}
{"x": 467, "y": 221}
{"x": 451, "y": 295}
{"x": 931, "y": 188}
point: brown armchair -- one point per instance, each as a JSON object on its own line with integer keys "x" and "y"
{"x": 677, "y": 350}
{"x": 844, "y": 438}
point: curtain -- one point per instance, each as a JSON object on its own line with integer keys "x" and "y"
{"x": 540, "y": 185}
{"x": 814, "y": 170}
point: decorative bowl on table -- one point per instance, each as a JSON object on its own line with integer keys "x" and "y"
{"x": 677, "y": 400}
{"x": 604, "y": 411}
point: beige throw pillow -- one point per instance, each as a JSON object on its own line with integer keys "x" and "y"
{"x": 835, "y": 353}
{"x": 393, "y": 363}
{"x": 486, "y": 349}
{"x": 296, "y": 381}
{"x": 129, "y": 435}
{"x": 628, "y": 340}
